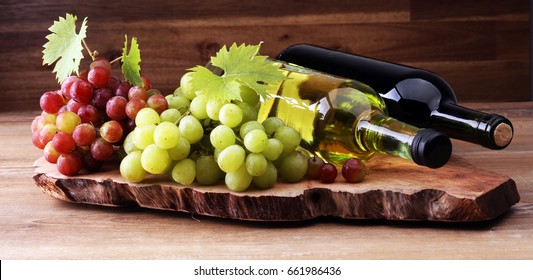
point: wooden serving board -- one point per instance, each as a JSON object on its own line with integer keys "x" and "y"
{"x": 393, "y": 189}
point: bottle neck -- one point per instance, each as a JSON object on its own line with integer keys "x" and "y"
{"x": 387, "y": 135}
{"x": 489, "y": 130}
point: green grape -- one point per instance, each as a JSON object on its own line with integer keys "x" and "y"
{"x": 166, "y": 135}
{"x": 222, "y": 136}
{"x": 147, "y": 116}
{"x": 207, "y": 170}
{"x": 230, "y": 115}
{"x": 213, "y": 107}
{"x": 131, "y": 168}
{"x": 186, "y": 86}
{"x": 216, "y": 152}
{"x": 231, "y": 158}
{"x": 238, "y": 180}
{"x": 143, "y": 136}
{"x": 177, "y": 92}
{"x": 289, "y": 137}
{"x": 273, "y": 149}
{"x": 191, "y": 129}
{"x": 249, "y": 113}
{"x": 178, "y": 102}
{"x": 249, "y": 126}
{"x": 198, "y": 107}
{"x": 271, "y": 124}
{"x": 249, "y": 95}
{"x": 268, "y": 178}
{"x": 181, "y": 150}
{"x": 128, "y": 144}
{"x": 184, "y": 172}
{"x": 155, "y": 160}
{"x": 170, "y": 115}
{"x": 255, "y": 141}
{"x": 256, "y": 164}
{"x": 293, "y": 167}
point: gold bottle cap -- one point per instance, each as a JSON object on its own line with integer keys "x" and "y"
{"x": 503, "y": 134}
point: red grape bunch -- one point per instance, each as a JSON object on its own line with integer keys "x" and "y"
{"x": 85, "y": 121}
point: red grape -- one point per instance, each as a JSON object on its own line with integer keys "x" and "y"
{"x": 100, "y": 98}
{"x": 36, "y": 140}
{"x": 69, "y": 164}
{"x": 313, "y": 165}
{"x": 116, "y": 108}
{"x": 63, "y": 108}
{"x": 113, "y": 83}
{"x": 98, "y": 76}
{"x": 73, "y": 106}
{"x": 84, "y": 134}
{"x": 81, "y": 91}
{"x": 123, "y": 89}
{"x": 101, "y": 62}
{"x": 84, "y": 75}
{"x": 50, "y": 154}
{"x": 327, "y": 173}
{"x": 63, "y": 142}
{"x": 66, "y": 84}
{"x": 47, "y": 133}
{"x": 51, "y": 102}
{"x": 147, "y": 85}
{"x": 128, "y": 125}
{"x": 89, "y": 114}
{"x": 353, "y": 170}
{"x": 137, "y": 92}
{"x": 37, "y": 123}
{"x": 90, "y": 163}
{"x": 111, "y": 131}
{"x": 134, "y": 106}
{"x": 157, "y": 102}
{"x": 101, "y": 149}
{"x": 152, "y": 91}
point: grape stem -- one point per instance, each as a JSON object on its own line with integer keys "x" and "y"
{"x": 188, "y": 112}
{"x": 91, "y": 53}
{"x": 115, "y": 60}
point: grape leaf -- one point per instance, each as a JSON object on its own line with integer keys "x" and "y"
{"x": 131, "y": 60}
{"x": 64, "y": 46}
{"x": 242, "y": 66}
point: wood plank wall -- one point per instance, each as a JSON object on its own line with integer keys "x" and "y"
{"x": 481, "y": 47}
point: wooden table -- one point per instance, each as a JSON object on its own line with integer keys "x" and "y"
{"x": 36, "y": 226}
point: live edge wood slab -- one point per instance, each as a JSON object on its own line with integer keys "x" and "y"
{"x": 393, "y": 189}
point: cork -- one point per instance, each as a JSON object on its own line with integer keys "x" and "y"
{"x": 503, "y": 133}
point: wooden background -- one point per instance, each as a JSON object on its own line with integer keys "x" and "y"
{"x": 481, "y": 47}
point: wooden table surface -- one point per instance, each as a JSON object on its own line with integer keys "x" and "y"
{"x": 36, "y": 226}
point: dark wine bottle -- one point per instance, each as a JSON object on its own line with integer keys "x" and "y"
{"x": 412, "y": 95}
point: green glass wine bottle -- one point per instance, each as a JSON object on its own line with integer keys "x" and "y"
{"x": 340, "y": 118}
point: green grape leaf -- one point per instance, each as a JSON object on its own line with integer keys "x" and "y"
{"x": 242, "y": 66}
{"x": 131, "y": 60}
{"x": 64, "y": 46}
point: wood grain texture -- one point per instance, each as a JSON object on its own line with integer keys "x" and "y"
{"x": 457, "y": 192}
{"x": 35, "y": 226}
{"x": 480, "y": 47}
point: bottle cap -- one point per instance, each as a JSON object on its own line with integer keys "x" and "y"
{"x": 431, "y": 148}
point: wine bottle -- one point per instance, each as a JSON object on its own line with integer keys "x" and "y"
{"x": 339, "y": 118}
{"x": 415, "y": 96}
